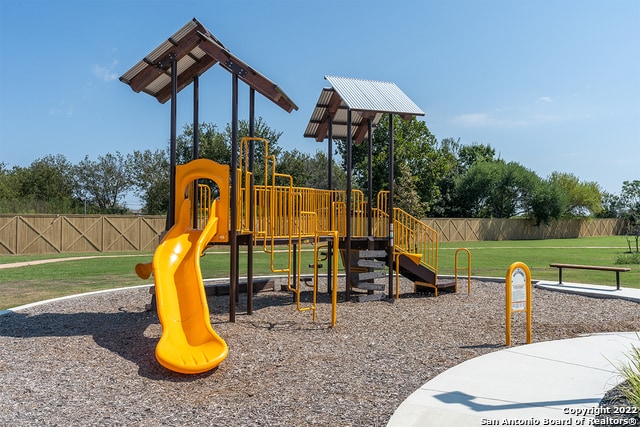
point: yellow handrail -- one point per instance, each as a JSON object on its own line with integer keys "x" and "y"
{"x": 468, "y": 268}
{"x": 288, "y": 214}
{"x": 410, "y": 234}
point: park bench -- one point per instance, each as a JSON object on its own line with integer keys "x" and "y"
{"x": 617, "y": 270}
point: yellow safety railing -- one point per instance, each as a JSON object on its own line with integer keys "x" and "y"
{"x": 204, "y": 202}
{"x": 285, "y": 214}
{"x": 467, "y": 268}
{"x": 411, "y": 235}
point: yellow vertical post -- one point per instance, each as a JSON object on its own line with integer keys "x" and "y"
{"x": 468, "y": 268}
{"x": 518, "y": 296}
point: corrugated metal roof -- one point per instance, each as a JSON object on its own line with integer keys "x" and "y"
{"x": 366, "y": 99}
{"x": 196, "y": 50}
{"x": 372, "y": 95}
{"x": 318, "y": 125}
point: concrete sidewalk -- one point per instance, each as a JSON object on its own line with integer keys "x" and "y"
{"x": 548, "y": 383}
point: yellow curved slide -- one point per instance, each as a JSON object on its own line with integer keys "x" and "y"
{"x": 188, "y": 344}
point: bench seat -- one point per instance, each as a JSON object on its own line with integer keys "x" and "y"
{"x": 617, "y": 270}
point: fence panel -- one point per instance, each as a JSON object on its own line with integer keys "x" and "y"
{"x": 40, "y": 234}
{"x": 478, "y": 229}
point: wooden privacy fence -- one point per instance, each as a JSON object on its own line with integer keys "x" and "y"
{"x": 478, "y": 229}
{"x": 41, "y": 234}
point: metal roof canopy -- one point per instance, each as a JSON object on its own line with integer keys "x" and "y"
{"x": 196, "y": 50}
{"x": 367, "y": 99}
{"x": 349, "y": 110}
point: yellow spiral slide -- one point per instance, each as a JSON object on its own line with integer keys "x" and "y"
{"x": 189, "y": 344}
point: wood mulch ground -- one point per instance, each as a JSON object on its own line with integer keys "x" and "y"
{"x": 90, "y": 360}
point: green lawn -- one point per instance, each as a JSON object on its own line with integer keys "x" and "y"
{"x": 23, "y": 285}
{"x": 493, "y": 258}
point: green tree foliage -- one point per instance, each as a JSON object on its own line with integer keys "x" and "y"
{"x": 211, "y": 144}
{"x": 547, "y": 202}
{"x": 458, "y": 158}
{"x": 583, "y": 198}
{"x": 294, "y": 163}
{"x": 48, "y": 178}
{"x": 415, "y": 154}
{"x": 150, "y": 177}
{"x": 318, "y": 175}
{"x": 431, "y": 178}
{"x": 8, "y": 187}
{"x": 46, "y": 186}
{"x": 468, "y": 155}
{"x": 498, "y": 189}
{"x": 406, "y": 194}
{"x": 630, "y": 198}
{"x": 103, "y": 183}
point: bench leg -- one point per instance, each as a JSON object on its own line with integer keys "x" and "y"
{"x": 560, "y": 275}
{"x": 617, "y": 280}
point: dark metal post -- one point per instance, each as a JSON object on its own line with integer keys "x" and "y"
{"x": 370, "y": 181}
{"x": 331, "y": 246}
{"x": 252, "y": 202}
{"x": 171, "y": 218}
{"x": 294, "y": 270}
{"x": 390, "y": 207}
{"x": 330, "y": 155}
{"x": 196, "y": 112}
{"x": 196, "y": 146}
{"x": 233, "y": 237}
{"x": 347, "y": 249}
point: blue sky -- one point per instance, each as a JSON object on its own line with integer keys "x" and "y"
{"x": 552, "y": 85}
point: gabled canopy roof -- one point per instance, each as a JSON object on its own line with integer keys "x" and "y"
{"x": 196, "y": 50}
{"x": 367, "y": 99}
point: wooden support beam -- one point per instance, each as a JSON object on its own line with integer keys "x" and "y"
{"x": 186, "y": 77}
{"x": 332, "y": 109}
{"x": 245, "y": 73}
{"x": 153, "y": 70}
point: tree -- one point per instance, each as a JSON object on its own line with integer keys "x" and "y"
{"x": 503, "y": 190}
{"x": 211, "y": 144}
{"x": 612, "y": 206}
{"x": 317, "y": 166}
{"x": 8, "y": 187}
{"x": 46, "y": 186}
{"x": 415, "y": 153}
{"x": 407, "y": 197}
{"x": 630, "y": 197}
{"x": 48, "y": 178}
{"x": 547, "y": 202}
{"x": 468, "y": 155}
{"x": 458, "y": 158}
{"x": 150, "y": 178}
{"x": 294, "y": 163}
{"x": 104, "y": 183}
{"x": 583, "y": 198}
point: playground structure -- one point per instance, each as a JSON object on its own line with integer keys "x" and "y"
{"x": 343, "y": 225}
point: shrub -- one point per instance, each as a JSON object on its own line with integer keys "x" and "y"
{"x": 627, "y": 258}
{"x": 631, "y": 373}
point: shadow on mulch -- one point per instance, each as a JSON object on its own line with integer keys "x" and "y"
{"x": 121, "y": 333}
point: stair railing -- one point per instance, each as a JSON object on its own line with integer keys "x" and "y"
{"x": 410, "y": 234}
{"x": 467, "y": 268}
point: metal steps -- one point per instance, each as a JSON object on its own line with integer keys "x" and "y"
{"x": 366, "y": 267}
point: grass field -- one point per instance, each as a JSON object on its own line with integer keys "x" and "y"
{"x": 22, "y": 285}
